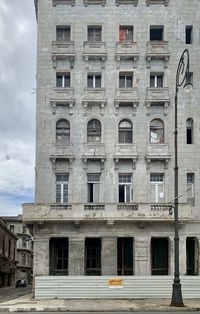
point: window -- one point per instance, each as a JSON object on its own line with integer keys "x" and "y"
{"x": 24, "y": 242}
{"x": 125, "y": 80}
{"x": 93, "y": 182}
{"x": 157, "y": 187}
{"x": 156, "y": 80}
{"x": 125, "y": 188}
{"x": 125, "y": 256}
{"x": 94, "y": 81}
{"x": 62, "y": 33}
{"x": 62, "y": 80}
{"x": 188, "y": 34}
{"x": 125, "y": 131}
{"x": 12, "y": 228}
{"x": 156, "y": 32}
{"x": 156, "y": 131}
{"x": 94, "y": 33}
{"x": 62, "y": 188}
{"x": 58, "y": 256}
{"x": 190, "y": 132}
{"x": 94, "y": 131}
{"x": 92, "y": 256}
{"x": 126, "y": 34}
{"x": 190, "y": 189}
{"x": 23, "y": 259}
{"x": 62, "y": 132}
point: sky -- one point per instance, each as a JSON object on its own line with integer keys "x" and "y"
{"x": 17, "y": 104}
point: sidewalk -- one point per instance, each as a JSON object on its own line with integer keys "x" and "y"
{"x": 27, "y": 304}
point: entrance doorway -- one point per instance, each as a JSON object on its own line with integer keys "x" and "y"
{"x": 93, "y": 256}
{"x": 159, "y": 256}
{"x": 125, "y": 256}
{"x": 192, "y": 256}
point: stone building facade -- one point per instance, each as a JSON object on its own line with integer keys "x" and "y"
{"x": 24, "y": 252}
{"x": 7, "y": 256}
{"x": 105, "y": 138}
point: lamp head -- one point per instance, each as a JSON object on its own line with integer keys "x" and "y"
{"x": 188, "y": 87}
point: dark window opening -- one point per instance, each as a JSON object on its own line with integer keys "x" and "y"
{"x": 156, "y": 33}
{"x": 94, "y": 33}
{"x": 62, "y": 80}
{"x": 94, "y": 81}
{"x": 159, "y": 256}
{"x": 93, "y": 257}
{"x": 191, "y": 256}
{"x": 190, "y": 189}
{"x": 125, "y": 80}
{"x": 58, "y": 256}
{"x": 93, "y": 187}
{"x": 156, "y": 80}
{"x": 189, "y": 129}
{"x": 62, "y": 33}
{"x": 188, "y": 34}
{"x": 125, "y": 256}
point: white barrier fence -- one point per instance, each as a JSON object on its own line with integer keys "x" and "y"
{"x": 69, "y": 287}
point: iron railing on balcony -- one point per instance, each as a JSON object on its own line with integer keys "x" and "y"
{"x": 94, "y": 207}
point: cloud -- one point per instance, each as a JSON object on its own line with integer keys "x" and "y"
{"x": 17, "y": 103}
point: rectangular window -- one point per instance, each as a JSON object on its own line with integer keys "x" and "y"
{"x": 24, "y": 242}
{"x": 62, "y": 80}
{"x": 92, "y": 257}
{"x": 62, "y": 33}
{"x": 62, "y": 188}
{"x": 156, "y": 32}
{"x": 94, "y": 81}
{"x": 188, "y": 34}
{"x": 125, "y": 80}
{"x": 58, "y": 256}
{"x": 190, "y": 189}
{"x": 156, "y": 80}
{"x": 12, "y": 228}
{"x": 125, "y": 256}
{"x": 125, "y": 188}
{"x": 157, "y": 187}
{"x": 126, "y": 34}
{"x": 93, "y": 182}
{"x": 94, "y": 33}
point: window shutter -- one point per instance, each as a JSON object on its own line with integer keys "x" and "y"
{"x": 122, "y": 35}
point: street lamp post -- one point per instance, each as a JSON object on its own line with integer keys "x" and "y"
{"x": 182, "y": 77}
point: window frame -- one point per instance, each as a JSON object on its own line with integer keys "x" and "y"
{"x": 61, "y": 199}
{"x": 127, "y": 188}
{"x": 156, "y": 184}
{"x": 157, "y": 79}
{"x": 65, "y": 80}
{"x": 154, "y": 28}
{"x": 189, "y": 37}
{"x": 93, "y": 36}
{"x": 127, "y": 132}
{"x": 64, "y": 37}
{"x": 189, "y": 131}
{"x": 94, "y": 132}
{"x": 126, "y": 28}
{"x": 63, "y": 134}
{"x": 91, "y": 186}
{"x": 157, "y": 130}
{"x": 125, "y": 75}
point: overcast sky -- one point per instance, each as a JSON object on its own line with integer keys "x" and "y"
{"x": 17, "y": 104}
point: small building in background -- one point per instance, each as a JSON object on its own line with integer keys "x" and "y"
{"x": 8, "y": 242}
{"x": 24, "y": 255}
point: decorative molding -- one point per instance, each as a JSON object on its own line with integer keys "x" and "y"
{"x": 97, "y": 2}
{"x": 69, "y": 2}
{"x": 134, "y": 2}
{"x": 149, "y": 2}
{"x": 55, "y": 158}
{"x": 68, "y": 103}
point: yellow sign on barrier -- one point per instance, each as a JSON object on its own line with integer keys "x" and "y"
{"x": 116, "y": 282}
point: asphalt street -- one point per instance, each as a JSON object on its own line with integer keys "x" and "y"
{"x": 7, "y": 294}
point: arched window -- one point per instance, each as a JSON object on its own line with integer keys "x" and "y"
{"x": 94, "y": 131}
{"x": 189, "y": 131}
{"x": 125, "y": 131}
{"x": 62, "y": 131}
{"x": 156, "y": 131}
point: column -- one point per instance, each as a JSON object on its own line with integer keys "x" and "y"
{"x": 109, "y": 256}
{"x": 182, "y": 255}
{"x": 76, "y": 256}
{"x": 142, "y": 256}
{"x": 41, "y": 257}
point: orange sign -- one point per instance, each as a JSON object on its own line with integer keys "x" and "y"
{"x": 115, "y": 282}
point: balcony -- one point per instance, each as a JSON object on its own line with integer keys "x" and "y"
{"x": 62, "y": 97}
{"x": 94, "y": 50}
{"x": 157, "y": 152}
{"x": 94, "y": 151}
{"x": 133, "y": 2}
{"x": 125, "y": 152}
{"x": 127, "y": 51}
{"x": 37, "y": 213}
{"x": 62, "y": 50}
{"x": 93, "y": 96}
{"x": 62, "y": 152}
{"x": 97, "y": 2}
{"x": 149, "y": 2}
{"x": 126, "y": 97}
{"x": 157, "y": 50}
{"x": 157, "y": 95}
{"x": 68, "y": 2}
